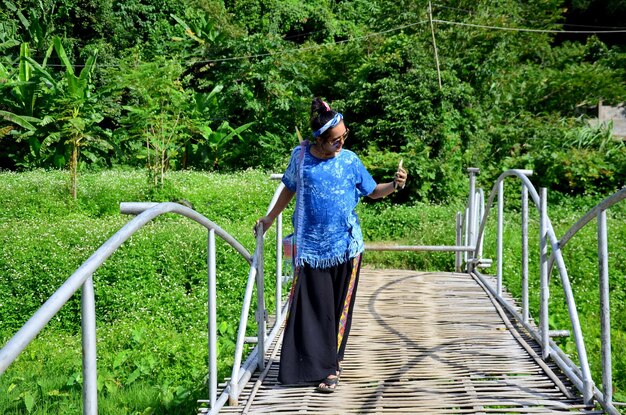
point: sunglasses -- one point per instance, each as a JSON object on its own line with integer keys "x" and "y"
{"x": 342, "y": 137}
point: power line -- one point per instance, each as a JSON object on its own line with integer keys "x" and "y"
{"x": 304, "y": 49}
{"x": 591, "y": 26}
{"x": 282, "y": 52}
{"x": 521, "y": 29}
{"x": 532, "y": 21}
{"x": 358, "y": 38}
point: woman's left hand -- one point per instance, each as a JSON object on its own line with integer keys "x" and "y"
{"x": 399, "y": 179}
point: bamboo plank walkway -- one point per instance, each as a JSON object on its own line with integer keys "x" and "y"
{"x": 425, "y": 343}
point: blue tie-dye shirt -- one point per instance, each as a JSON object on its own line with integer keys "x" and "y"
{"x": 328, "y": 230}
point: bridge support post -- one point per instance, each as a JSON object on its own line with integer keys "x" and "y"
{"x": 88, "y": 323}
{"x": 212, "y": 311}
{"x": 605, "y": 309}
{"x": 459, "y": 241}
{"x": 543, "y": 273}
{"x": 260, "y": 305}
{"x": 525, "y": 306}
{"x": 471, "y": 228}
{"x": 279, "y": 266}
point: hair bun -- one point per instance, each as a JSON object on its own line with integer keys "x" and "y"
{"x": 321, "y": 113}
{"x": 319, "y": 106}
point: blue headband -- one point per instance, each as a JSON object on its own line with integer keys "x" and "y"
{"x": 330, "y": 124}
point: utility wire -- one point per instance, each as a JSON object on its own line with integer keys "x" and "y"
{"x": 521, "y": 29}
{"x": 287, "y": 51}
{"x": 592, "y": 27}
{"x": 529, "y": 20}
{"x": 358, "y": 38}
{"x": 515, "y": 29}
{"x": 304, "y": 49}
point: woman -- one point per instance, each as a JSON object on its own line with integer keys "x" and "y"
{"x": 328, "y": 181}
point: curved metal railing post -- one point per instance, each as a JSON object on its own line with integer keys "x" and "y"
{"x": 82, "y": 277}
{"x": 212, "y": 312}
{"x": 260, "y": 298}
{"x": 233, "y": 384}
{"x": 241, "y": 373}
{"x": 543, "y": 274}
{"x": 88, "y": 324}
{"x": 605, "y": 308}
{"x": 471, "y": 213}
{"x": 525, "y": 302}
{"x": 479, "y": 209}
{"x": 598, "y": 213}
{"x": 279, "y": 266}
{"x": 466, "y": 237}
{"x": 279, "y": 247}
{"x": 585, "y": 383}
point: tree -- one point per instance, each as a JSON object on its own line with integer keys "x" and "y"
{"x": 154, "y": 104}
{"x": 174, "y": 123}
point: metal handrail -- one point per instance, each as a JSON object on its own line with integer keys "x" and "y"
{"x": 241, "y": 373}
{"x": 82, "y": 277}
{"x": 579, "y": 375}
{"x": 598, "y": 212}
{"x": 546, "y": 233}
{"x": 458, "y": 248}
{"x": 593, "y": 213}
{"x": 472, "y": 225}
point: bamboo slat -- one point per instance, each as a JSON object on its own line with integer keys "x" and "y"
{"x": 425, "y": 343}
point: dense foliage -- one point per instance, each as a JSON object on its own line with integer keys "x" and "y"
{"x": 222, "y": 86}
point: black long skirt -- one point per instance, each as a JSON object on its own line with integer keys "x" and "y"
{"x": 318, "y": 323}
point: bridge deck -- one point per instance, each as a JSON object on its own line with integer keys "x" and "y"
{"x": 430, "y": 343}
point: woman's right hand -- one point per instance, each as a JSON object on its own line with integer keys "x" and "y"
{"x": 266, "y": 221}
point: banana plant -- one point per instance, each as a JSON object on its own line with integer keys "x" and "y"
{"x": 215, "y": 144}
{"x": 209, "y": 146}
{"x": 8, "y": 40}
{"x": 78, "y": 86}
{"x": 37, "y": 24}
{"x": 22, "y": 94}
{"x": 73, "y": 114}
{"x": 20, "y": 120}
{"x": 79, "y": 116}
{"x": 202, "y": 31}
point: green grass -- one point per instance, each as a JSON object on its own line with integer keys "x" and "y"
{"x": 151, "y": 293}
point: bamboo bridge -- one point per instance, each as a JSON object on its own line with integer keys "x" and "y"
{"x": 425, "y": 343}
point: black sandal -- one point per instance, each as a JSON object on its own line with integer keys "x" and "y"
{"x": 328, "y": 385}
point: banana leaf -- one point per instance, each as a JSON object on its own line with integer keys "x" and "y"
{"x": 19, "y": 120}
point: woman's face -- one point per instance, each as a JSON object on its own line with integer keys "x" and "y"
{"x": 335, "y": 137}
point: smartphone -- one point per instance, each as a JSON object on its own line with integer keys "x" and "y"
{"x": 399, "y": 167}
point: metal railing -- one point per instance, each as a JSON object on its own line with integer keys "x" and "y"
{"x": 459, "y": 248}
{"x": 580, "y": 374}
{"x": 82, "y": 278}
{"x": 469, "y": 232}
